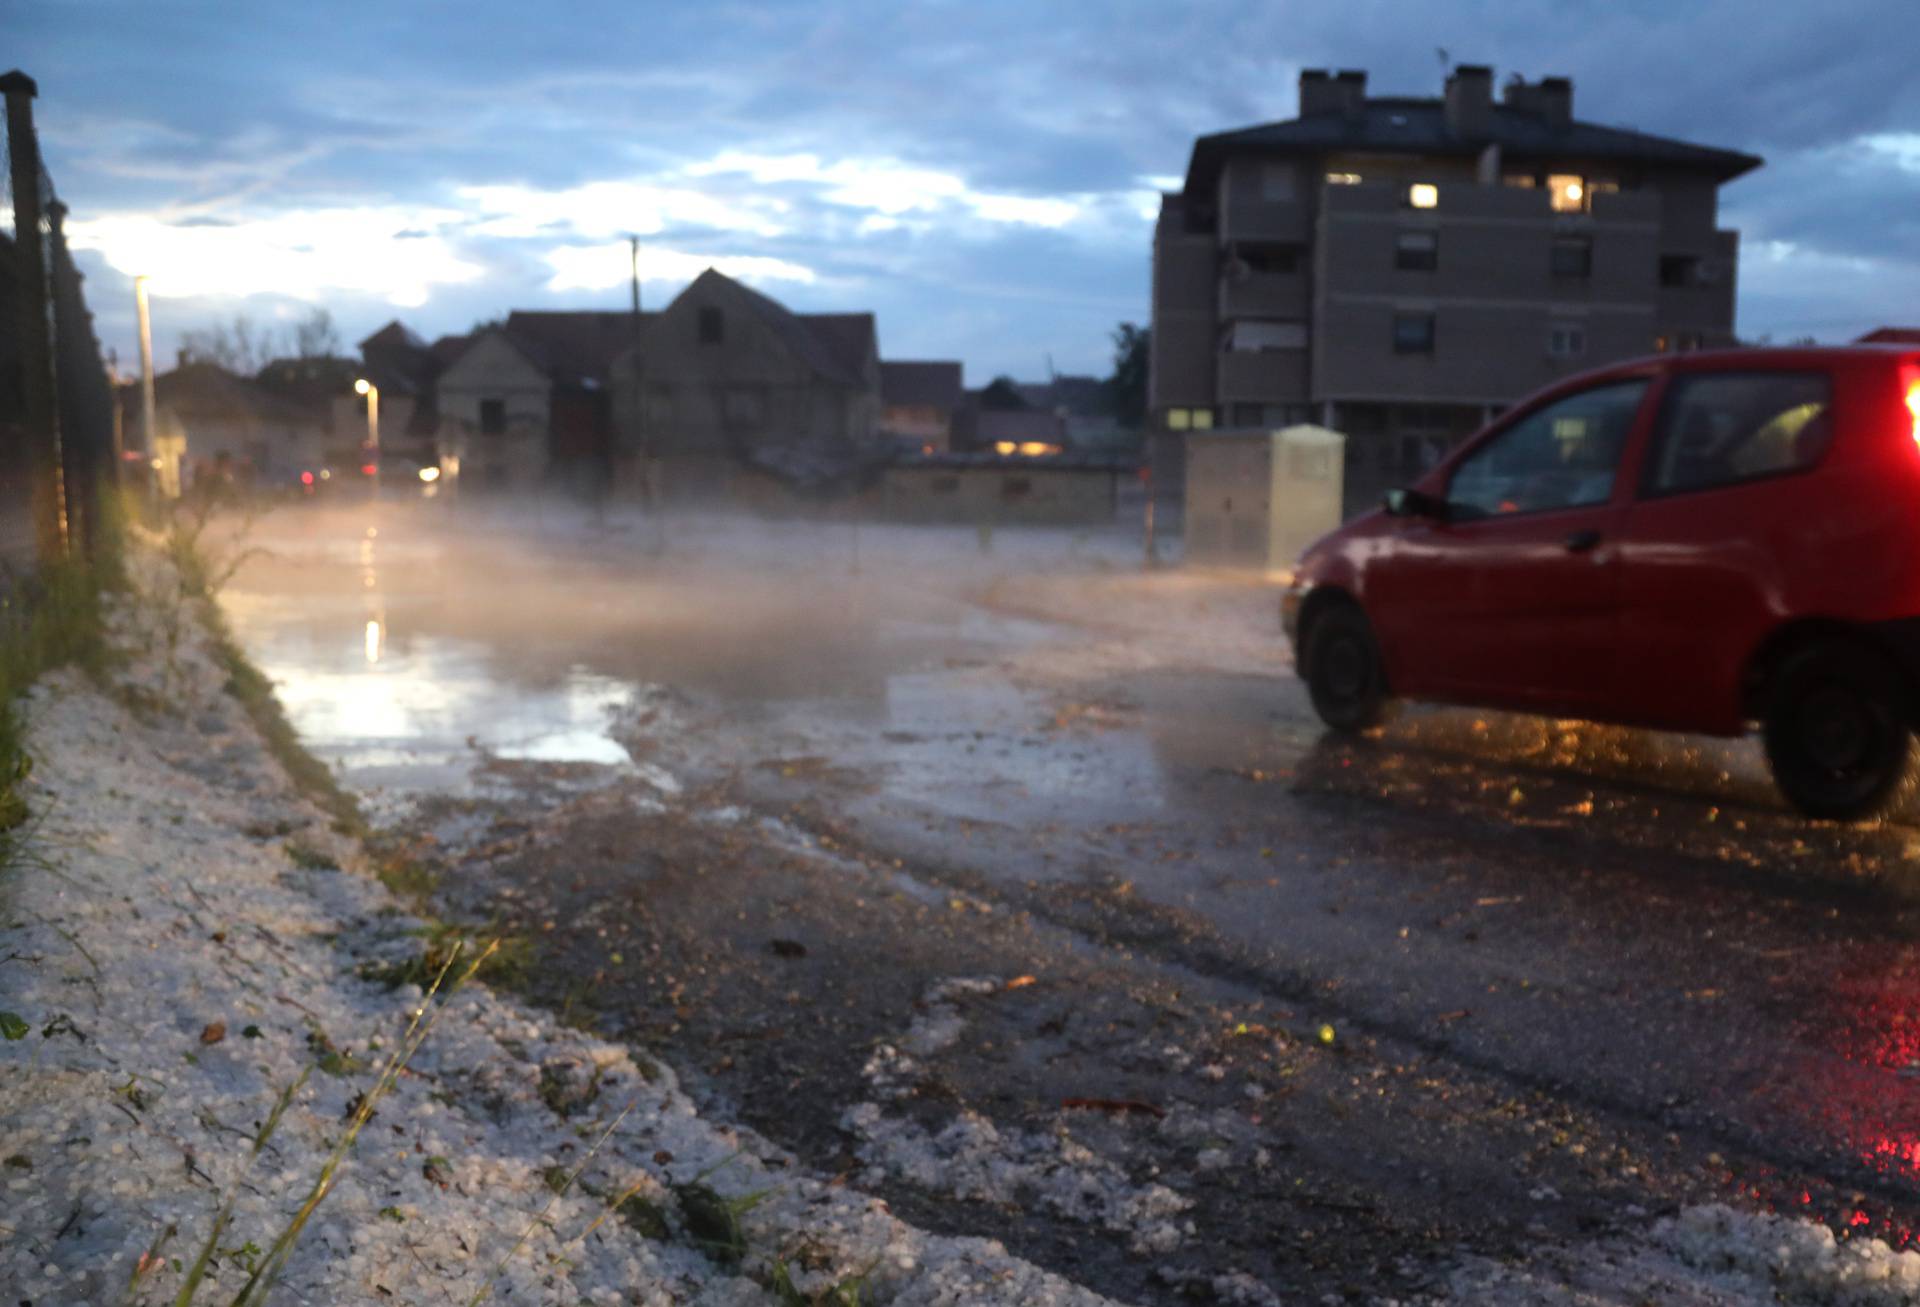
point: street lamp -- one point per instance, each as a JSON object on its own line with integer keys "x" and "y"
{"x": 372, "y": 392}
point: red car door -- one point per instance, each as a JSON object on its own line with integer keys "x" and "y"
{"x": 1722, "y": 507}
{"x": 1511, "y": 595}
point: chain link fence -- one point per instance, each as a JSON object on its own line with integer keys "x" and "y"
{"x": 59, "y": 448}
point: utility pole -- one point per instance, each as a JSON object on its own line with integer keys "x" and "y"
{"x": 146, "y": 365}
{"x": 634, "y": 241}
{"x": 36, "y": 342}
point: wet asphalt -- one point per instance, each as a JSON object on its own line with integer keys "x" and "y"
{"x": 1472, "y": 982}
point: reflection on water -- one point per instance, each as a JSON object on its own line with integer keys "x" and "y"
{"x": 394, "y": 706}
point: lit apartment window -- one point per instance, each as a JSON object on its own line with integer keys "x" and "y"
{"x": 1569, "y": 193}
{"x": 1413, "y": 333}
{"x": 1179, "y": 419}
{"x": 1416, "y": 251}
{"x": 1203, "y": 419}
{"x": 1567, "y": 340}
{"x": 1661, "y": 344}
{"x": 1572, "y": 256}
{"x": 1519, "y": 180}
{"x": 1343, "y": 179}
{"x": 1423, "y": 195}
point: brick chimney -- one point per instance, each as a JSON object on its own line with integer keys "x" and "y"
{"x": 1470, "y": 101}
{"x": 1324, "y": 92}
{"x": 1550, "y": 98}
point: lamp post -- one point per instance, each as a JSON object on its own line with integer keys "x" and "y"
{"x": 372, "y": 392}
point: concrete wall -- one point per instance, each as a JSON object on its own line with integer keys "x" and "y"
{"x": 1493, "y": 294}
{"x": 1000, "y": 495}
{"x": 1185, "y": 290}
{"x": 269, "y": 453}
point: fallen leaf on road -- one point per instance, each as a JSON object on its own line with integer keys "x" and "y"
{"x": 214, "y": 1033}
{"x": 1457, "y": 1015}
{"x": 1020, "y": 982}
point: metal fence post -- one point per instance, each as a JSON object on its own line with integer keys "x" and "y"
{"x": 36, "y": 340}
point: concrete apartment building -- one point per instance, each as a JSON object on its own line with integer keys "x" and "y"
{"x": 1400, "y": 269}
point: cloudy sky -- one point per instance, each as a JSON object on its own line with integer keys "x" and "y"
{"x": 979, "y": 174}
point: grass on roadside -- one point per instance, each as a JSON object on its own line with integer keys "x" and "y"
{"x": 47, "y": 620}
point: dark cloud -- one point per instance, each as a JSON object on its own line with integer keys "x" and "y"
{"x": 401, "y": 107}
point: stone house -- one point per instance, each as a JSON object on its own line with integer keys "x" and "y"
{"x": 526, "y": 402}
{"x": 727, "y": 382}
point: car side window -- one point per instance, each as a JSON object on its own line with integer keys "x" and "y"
{"x": 1562, "y": 456}
{"x": 1722, "y": 428}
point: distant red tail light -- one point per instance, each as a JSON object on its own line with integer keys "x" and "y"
{"x": 368, "y": 469}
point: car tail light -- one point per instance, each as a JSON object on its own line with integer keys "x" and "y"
{"x": 1911, "y": 379}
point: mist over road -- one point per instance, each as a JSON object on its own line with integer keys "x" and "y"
{"x": 1022, "y": 885}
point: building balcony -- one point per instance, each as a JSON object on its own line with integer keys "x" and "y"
{"x": 1263, "y": 376}
{"x": 1263, "y": 295}
{"x": 1265, "y": 220}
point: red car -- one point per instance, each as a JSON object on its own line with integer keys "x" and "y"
{"x": 1691, "y": 542}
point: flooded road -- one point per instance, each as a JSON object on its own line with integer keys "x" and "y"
{"x": 767, "y": 794}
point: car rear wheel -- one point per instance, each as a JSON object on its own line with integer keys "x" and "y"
{"x": 1344, "y": 675}
{"x": 1838, "y": 733}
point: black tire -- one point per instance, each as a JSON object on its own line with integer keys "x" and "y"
{"x": 1344, "y": 675}
{"x": 1838, "y": 731}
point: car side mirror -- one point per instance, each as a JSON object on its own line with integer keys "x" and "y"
{"x": 1414, "y": 503}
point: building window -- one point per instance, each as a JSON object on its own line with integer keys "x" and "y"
{"x": 1679, "y": 269}
{"x": 493, "y": 417}
{"x": 1343, "y": 179}
{"x": 1569, "y": 193}
{"x": 1519, "y": 180}
{"x": 1276, "y": 182}
{"x": 1413, "y": 333}
{"x": 1015, "y": 487}
{"x": 944, "y": 485}
{"x": 1567, "y": 340}
{"x": 1572, "y": 256}
{"x": 1416, "y": 251}
{"x": 1252, "y": 335}
{"x": 1662, "y": 343}
{"x": 1724, "y": 428}
{"x": 1691, "y": 340}
{"x": 712, "y": 326}
{"x": 1423, "y": 195}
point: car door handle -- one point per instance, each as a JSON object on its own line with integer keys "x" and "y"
{"x": 1581, "y": 541}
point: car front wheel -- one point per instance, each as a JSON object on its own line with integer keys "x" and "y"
{"x": 1837, "y": 732}
{"x": 1344, "y": 675}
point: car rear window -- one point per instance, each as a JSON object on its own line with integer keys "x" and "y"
{"x": 1722, "y": 428}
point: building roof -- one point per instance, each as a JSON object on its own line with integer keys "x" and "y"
{"x": 571, "y": 346}
{"x": 1019, "y": 425}
{"x": 825, "y": 342}
{"x": 1073, "y": 396}
{"x": 920, "y": 384}
{"x": 852, "y": 336}
{"x": 1891, "y": 336}
{"x": 207, "y": 390}
{"x": 1410, "y": 125}
{"x": 395, "y": 335}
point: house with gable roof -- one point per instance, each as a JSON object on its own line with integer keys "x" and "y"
{"x": 728, "y": 382}
{"x": 527, "y": 402}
